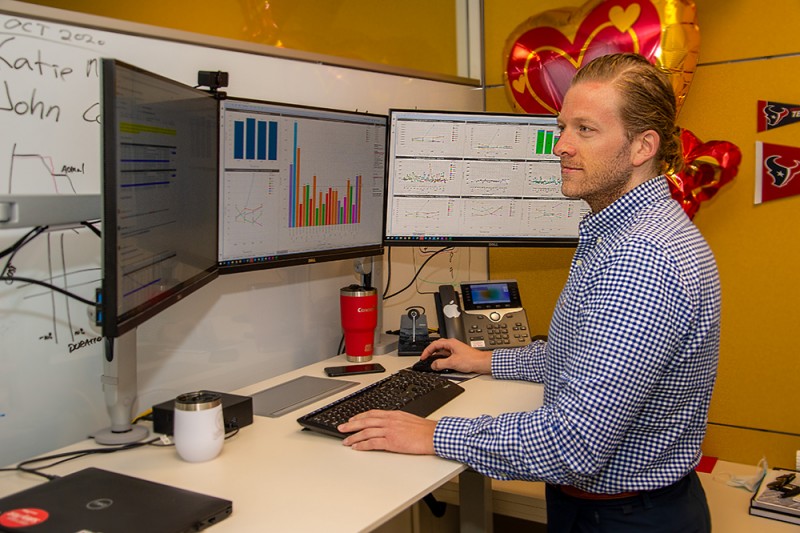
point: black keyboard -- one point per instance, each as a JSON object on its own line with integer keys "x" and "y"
{"x": 418, "y": 393}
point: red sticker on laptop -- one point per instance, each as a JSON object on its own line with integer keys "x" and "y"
{"x": 26, "y": 517}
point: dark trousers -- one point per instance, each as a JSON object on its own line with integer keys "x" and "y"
{"x": 678, "y": 508}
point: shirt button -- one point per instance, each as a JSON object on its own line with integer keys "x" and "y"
{"x": 579, "y": 262}
{"x": 599, "y": 240}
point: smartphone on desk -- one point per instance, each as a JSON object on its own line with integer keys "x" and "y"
{"x": 351, "y": 370}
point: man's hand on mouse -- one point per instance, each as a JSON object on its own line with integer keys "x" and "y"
{"x": 454, "y": 354}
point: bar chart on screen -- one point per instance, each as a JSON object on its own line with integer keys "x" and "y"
{"x": 297, "y": 179}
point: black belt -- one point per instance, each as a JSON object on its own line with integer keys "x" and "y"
{"x": 575, "y": 492}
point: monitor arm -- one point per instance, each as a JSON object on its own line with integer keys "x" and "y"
{"x": 120, "y": 388}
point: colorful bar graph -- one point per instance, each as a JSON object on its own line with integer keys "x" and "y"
{"x": 545, "y": 140}
{"x": 309, "y": 207}
{"x": 255, "y": 140}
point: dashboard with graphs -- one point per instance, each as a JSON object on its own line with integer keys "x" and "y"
{"x": 476, "y": 179}
{"x": 298, "y": 184}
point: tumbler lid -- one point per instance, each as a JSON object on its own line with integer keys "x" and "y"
{"x": 198, "y": 401}
{"x": 357, "y": 290}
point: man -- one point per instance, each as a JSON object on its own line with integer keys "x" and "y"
{"x": 631, "y": 356}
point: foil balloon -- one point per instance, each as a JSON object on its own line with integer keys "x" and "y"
{"x": 707, "y": 167}
{"x": 542, "y": 54}
{"x": 260, "y": 25}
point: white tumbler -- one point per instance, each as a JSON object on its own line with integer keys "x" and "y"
{"x": 199, "y": 430}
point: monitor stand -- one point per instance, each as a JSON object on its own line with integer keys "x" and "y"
{"x": 120, "y": 388}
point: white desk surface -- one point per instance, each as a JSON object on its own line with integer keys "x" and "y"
{"x": 730, "y": 505}
{"x": 281, "y": 478}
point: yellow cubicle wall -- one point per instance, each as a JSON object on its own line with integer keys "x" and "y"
{"x": 747, "y": 54}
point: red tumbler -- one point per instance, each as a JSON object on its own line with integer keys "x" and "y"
{"x": 359, "y": 307}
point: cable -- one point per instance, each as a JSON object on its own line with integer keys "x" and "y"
{"x": 388, "y": 272}
{"x": 49, "y": 286}
{"x": 60, "y": 458}
{"x": 17, "y": 246}
{"x": 12, "y": 250}
{"x": 92, "y": 228}
{"x": 23, "y": 240}
{"x": 146, "y": 415}
{"x": 419, "y": 271}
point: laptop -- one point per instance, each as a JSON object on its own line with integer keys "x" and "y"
{"x": 95, "y": 500}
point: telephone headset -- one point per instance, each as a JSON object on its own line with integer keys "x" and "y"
{"x": 487, "y": 315}
{"x": 413, "y": 332}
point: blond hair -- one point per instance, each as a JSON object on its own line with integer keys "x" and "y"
{"x": 648, "y": 101}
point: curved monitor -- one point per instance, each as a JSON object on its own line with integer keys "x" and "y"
{"x": 159, "y": 194}
{"x": 298, "y": 184}
{"x": 476, "y": 179}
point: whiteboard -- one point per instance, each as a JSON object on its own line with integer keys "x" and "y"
{"x": 238, "y": 330}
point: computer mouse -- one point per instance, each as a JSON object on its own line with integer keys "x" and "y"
{"x": 424, "y": 365}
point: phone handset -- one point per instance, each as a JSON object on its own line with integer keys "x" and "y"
{"x": 448, "y": 308}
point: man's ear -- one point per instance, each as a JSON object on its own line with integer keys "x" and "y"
{"x": 645, "y": 147}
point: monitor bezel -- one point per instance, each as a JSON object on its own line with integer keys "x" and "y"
{"x": 316, "y": 256}
{"x": 463, "y": 241}
{"x": 113, "y": 325}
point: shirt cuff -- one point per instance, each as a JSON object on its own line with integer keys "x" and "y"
{"x": 504, "y": 363}
{"x": 449, "y": 437}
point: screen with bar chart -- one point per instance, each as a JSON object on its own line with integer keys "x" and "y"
{"x": 476, "y": 179}
{"x": 298, "y": 184}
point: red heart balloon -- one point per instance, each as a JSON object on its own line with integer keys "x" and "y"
{"x": 707, "y": 167}
{"x": 543, "y": 54}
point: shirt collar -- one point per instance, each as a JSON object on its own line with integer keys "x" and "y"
{"x": 615, "y": 215}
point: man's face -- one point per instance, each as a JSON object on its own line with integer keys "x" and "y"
{"x": 596, "y": 156}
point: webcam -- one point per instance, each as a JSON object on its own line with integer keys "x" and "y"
{"x": 212, "y": 80}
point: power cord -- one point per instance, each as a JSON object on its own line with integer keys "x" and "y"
{"x": 231, "y": 430}
{"x": 60, "y": 458}
{"x": 8, "y": 271}
{"x": 416, "y": 275}
{"x": 12, "y": 279}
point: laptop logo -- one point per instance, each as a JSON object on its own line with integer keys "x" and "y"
{"x": 100, "y": 504}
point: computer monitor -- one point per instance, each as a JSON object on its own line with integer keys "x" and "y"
{"x": 159, "y": 225}
{"x": 476, "y": 179}
{"x": 298, "y": 184}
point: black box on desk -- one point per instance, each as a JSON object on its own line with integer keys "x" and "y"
{"x": 237, "y": 412}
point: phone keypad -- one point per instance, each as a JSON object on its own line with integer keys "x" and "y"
{"x": 506, "y": 333}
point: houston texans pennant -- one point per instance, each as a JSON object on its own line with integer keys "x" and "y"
{"x": 777, "y": 171}
{"x": 772, "y": 115}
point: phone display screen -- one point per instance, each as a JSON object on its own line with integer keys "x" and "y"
{"x": 490, "y": 293}
{"x": 487, "y": 295}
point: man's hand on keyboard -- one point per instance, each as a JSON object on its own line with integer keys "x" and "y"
{"x": 393, "y": 431}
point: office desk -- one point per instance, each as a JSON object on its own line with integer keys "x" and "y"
{"x": 281, "y": 478}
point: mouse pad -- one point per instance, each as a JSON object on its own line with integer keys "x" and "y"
{"x": 286, "y": 397}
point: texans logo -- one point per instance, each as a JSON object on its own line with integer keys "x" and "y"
{"x": 780, "y": 174}
{"x": 774, "y": 114}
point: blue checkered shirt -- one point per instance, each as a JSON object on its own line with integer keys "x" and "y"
{"x": 629, "y": 365}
